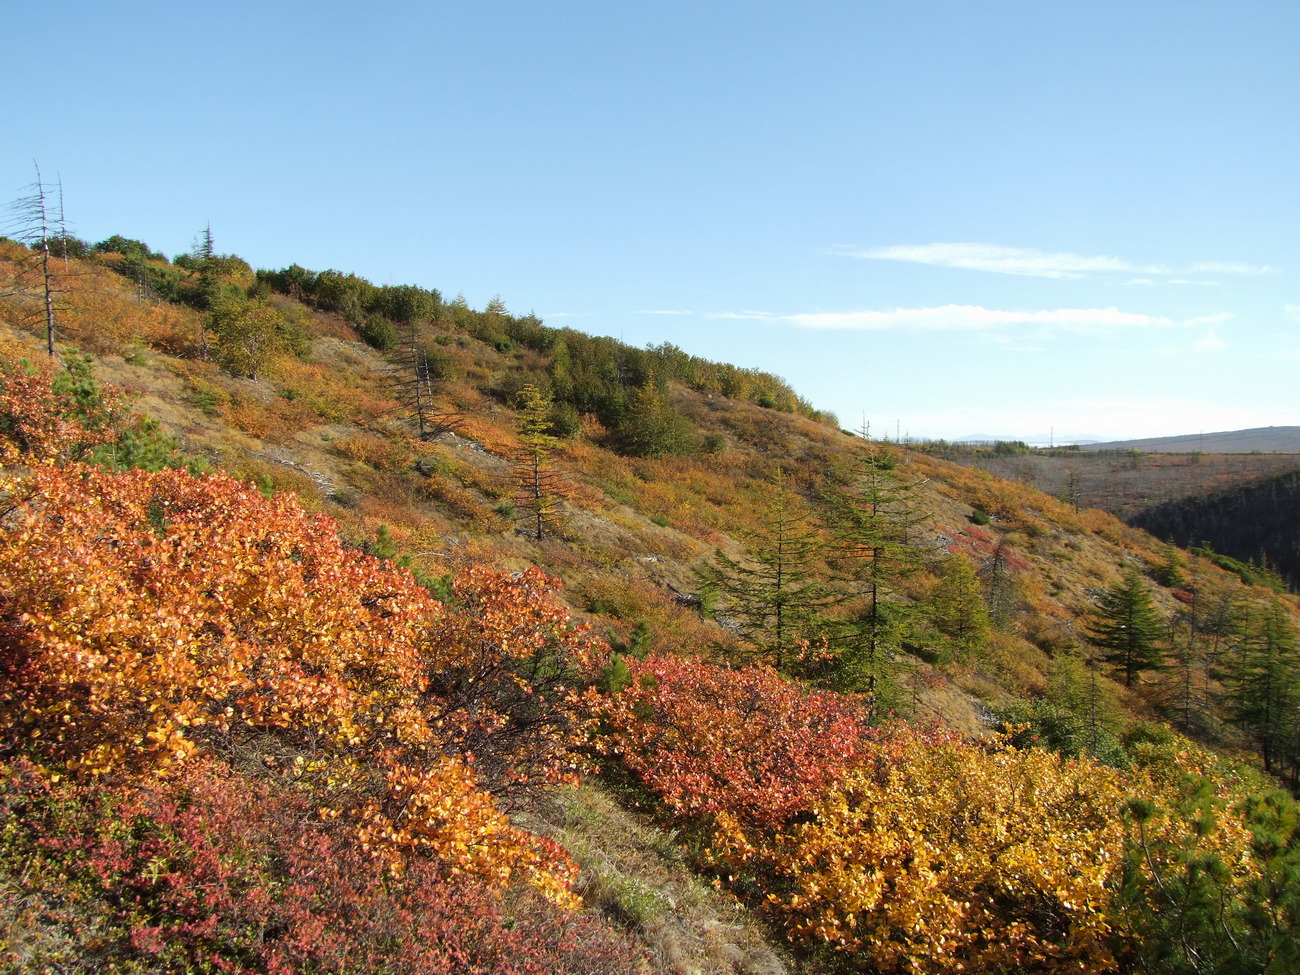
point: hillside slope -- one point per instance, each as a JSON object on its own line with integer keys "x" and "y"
{"x": 325, "y": 417}
{"x": 702, "y": 519}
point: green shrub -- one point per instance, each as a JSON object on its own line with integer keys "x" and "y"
{"x": 377, "y": 331}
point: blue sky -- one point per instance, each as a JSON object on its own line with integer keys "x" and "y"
{"x": 952, "y": 218}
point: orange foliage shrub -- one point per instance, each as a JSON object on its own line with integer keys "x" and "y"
{"x": 106, "y": 313}
{"x": 331, "y": 394}
{"x": 209, "y": 870}
{"x": 147, "y": 618}
{"x": 906, "y": 850}
{"x": 381, "y": 452}
{"x": 275, "y": 420}
{"x": 673, "y": 626}
{"x": 40, "y": 424}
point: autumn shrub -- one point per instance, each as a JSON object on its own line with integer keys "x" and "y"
{"x": 270, "y": 478}
{"x": 466, "y": 505}
{"x": 48, "y": 418}
{"x": 148, "y": 618}
{"x": 272, "y": 419}
{"x": 903, "y": 850}
{"x": 521, "y": 723}
{"x": 384, "y": 453}
{"x": 746, "y": 748}
{"x": 108, "y": 314}
{"x": 212, "y": 871}
{"x": 331, "y": 394}
{"x": 919, "y": 851}
{"x": 945, "y": 855}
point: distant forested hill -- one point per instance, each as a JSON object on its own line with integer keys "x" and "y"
{"x": 1256, "y": 522}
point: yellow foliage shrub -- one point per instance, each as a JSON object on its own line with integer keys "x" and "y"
{"x": 949, "y": 856}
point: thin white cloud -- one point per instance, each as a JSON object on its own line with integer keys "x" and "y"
{"x": 1293, "y": 312}
{"x": 1210, "y": 343}
{"x": 975, "y": 318}
{"x": 1230, "y": 267}
{"x": 1002, "y": 325}
{"x": 1001, "y": 260}
{"x": 1151, "y": 282}
{"x": 749, "y": 316}
{"x": 1216, "y": 319}
{"x": 1027, "y": 261}
{"x": 662, "y": 311}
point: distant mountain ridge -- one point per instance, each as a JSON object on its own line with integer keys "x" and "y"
{"x": 1279, "y": 440}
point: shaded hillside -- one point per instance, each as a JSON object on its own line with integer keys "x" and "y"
{"x": 1258, "y": 523}
{"x": 1122, "y": 482}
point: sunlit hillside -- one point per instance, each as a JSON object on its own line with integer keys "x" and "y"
{"x": 583, "y": 657}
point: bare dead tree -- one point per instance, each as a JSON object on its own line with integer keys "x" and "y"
{"x": 32, "y": 225}
{"x": 415, "y": 382}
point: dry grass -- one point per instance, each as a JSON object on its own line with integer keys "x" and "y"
{"x": 636, "y": 874}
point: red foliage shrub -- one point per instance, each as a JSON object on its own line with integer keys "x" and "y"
{"x": 215, "y": 872}
{"x": 751, "y": 743}
{"x": 147, "y": 618}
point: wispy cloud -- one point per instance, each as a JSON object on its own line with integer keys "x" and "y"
{"x": 1003, "y": 325}
{"x": 1001, "y": 260}
{"x": 1292, "y": 312}
{"x": 1216, "y": 319}
{"x": 1031, "y": 262}
{"x": 662, "y": 311}
{"x": 960, "y": 318}
{"x": 1230, "y": 267}
{"x": 1210, "y": 343}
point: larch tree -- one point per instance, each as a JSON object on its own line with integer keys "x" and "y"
{"x": 1128, "y": 629}
{"x": 540, "y": 493}
{"x": 958, "y": 608}
{"x": 1264, "y": 688}
{"x": 874, "y": 535}
{"x": 774, "y": 594}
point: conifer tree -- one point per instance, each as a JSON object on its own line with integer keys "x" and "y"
{"x": 958, "y": 608}
{"x": 1182, "y": 646}
{"x": 875, "y": 531}
{"x": 1170, "y": 572}
{"x": 1127, "y": 628}
{"x": 653, "y": 427}
{"x": 1264, "y": 688}
{"x": 1000, "y": 589}
{"x": 774, "y": 594}
{"x": 540, "y": 494}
